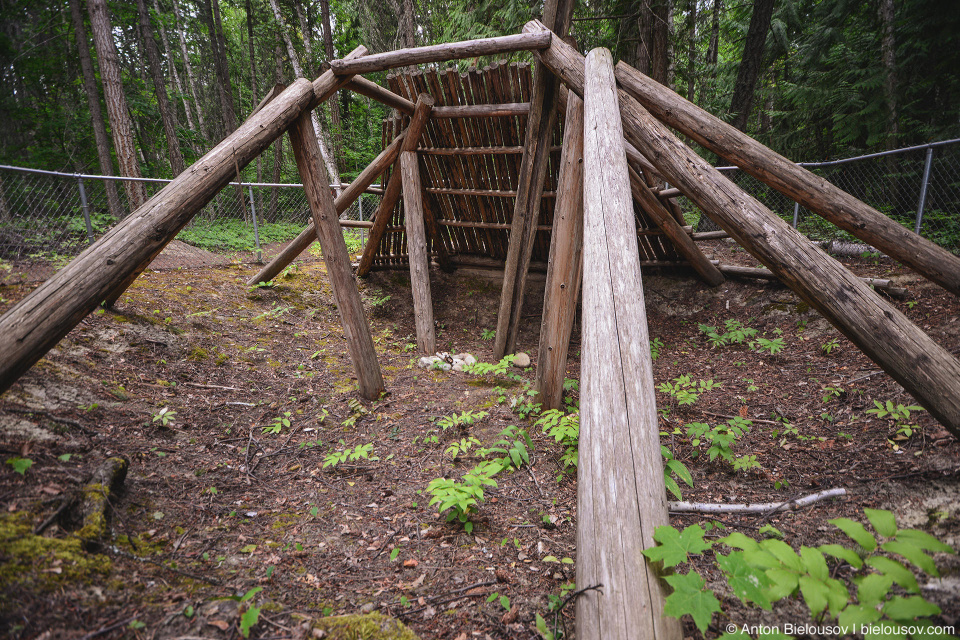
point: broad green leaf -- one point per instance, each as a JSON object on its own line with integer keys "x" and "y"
{"x": 909, "y": 608}
{"x": 923, "y": 540}
{"x": 814, "y": 563}
{"x": 842, "y": 553}
{"x": 912, "y": 553}
{"x": 749, "y": 584}
{"x": 672, "y": 487}
{"x": 248, "y": 620}
{"x": 883, "y": 521}
{"x": 896, "y": 572}
{"x": 837, "y": 596}
{"x": 542, "y": 629}
{"x": 857, "y": 615}
{"x": 784, "y": 583}
{"x": 675, "y": 545}
{"x": 762, "y": 559}
{"x": 689, "y": 596}
{"x": 856, "y": 532}
{"x": 738, "y": 540}
{"x": 814, "y": 593}
{"x": 770, "y": 531}
{"x": 681, "y": 471}
{"x": 873, "y": 589}
{"x": 782, "y": 551}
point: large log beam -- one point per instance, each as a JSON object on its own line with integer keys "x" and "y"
{"x": 565, "y": 265}
{"x": 621, "y": 497}
{"x": 381, "y": 219}
{"x": 441, "y": 53}
{"x": 34, "y": 325}
{"x": 911, "y": 357}
{"x": 812, "y": 191}
{"x": 326, "y": 221}
{"x": 346, "y": 198}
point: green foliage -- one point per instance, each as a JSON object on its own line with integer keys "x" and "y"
{"x": 360, "y": 452}
{"x": 673, "y": 467}
{"x": 513, "y": 446}
{"x": 251, "y": 613}
{"x": 656, "y": 344}
{"x": 164, "y": 416}
{"x": 828, "y": 347}
{"x": 459, "y": 499}
{"x": 456, "y": 449}
{"x": 765, "y": 572}
{"x": 278, "y": 423}
{"x": 461, "y": 420}
{"x": 235, "y": 235}
{"x": 497, "y": 370}
{"x": 685, "y": 391}
{"x": 721, "y": 439}
{"x": 736, "y": 333}
{"x": 773, "y": 347}
{"x": 20, "y": 465}
{"x": 565, "y": 430}
{"x": 488, "y": 334}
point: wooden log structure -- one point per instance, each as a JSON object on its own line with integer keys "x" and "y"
{"x": 482, "y": 110}
{"x": 883, "y": 284}
{"x": 533, "y": 171}
{"x": 441, "y": 53}
{"x": 346, "y": 198}
{"x": 326, "y": 221}
{"x": 34, "y": 325}
{"x": 417, "y": 252}
{"x": 381, "y": 219}
{"x": 621, "y": 497}
{"x": 882, "y": 332}
{"x": 565, "y": 265}
{"x": 812, "y": 191}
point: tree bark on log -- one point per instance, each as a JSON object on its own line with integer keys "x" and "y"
{"x": 886, "y": 336}
{"x": 392, "y": 193}
{"x": 327, "y": 223}
{"x": 621, "y": 497}
{"x": 811, "y": 191}
{"x": 565, "y": 266}
{"x": 34, "y": 325}
{"x": 417, "y": 252}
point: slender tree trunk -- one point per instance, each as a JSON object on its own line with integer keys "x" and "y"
{"x": 888, "y": 47}
{"x": 210, "y": 13}
{"x": 167, "y": 114}
{"x": 328, "y": 159}
{"x": 120, "y": 123}
{"x": 253, "y": 77}
{"x": 691, "y": 48}
{"x": 671, "y": 57}
{"x": 174, "y": 74}
{"x": 189, "y": 67}
{"x": 96, "y": 116}
{"x": 333, "y": 102}
{"x": 749, "y": 71}
{"x": 714, "y": 48}
{"x": 407, "y": 21}
{"x": 277, "y": 145}
{"x": 644, "y": 33}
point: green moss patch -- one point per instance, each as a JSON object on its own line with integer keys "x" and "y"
{"x": 364, "y": 627}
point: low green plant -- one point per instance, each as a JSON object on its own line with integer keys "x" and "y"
{"x": 456, "y": 449}
{"x": 564, "y": 428}
{"x": 721, "y": 439}
{"x": 685, "y": 391}
{"x": 251, "y": 613}
{"x": 829, "y": 346}
{"x": 164, "y": 416}
{"x": 829, "y": 393}
{"x": 513, "y": 447}
{"x": 656, "y": 344}
{"x": 673, "y": 467}
{"x": 497, "y": 370}
{"x": 763, "y": 573}
{"x": 462, "y": 420}
{"x": 900, "y": 415}
{"x": 278, "y": 423}
{"x": 488, "y": 334}
{"x": 360, "y": 452}
{"x": 773, "y": 347}
{"x": 736, "y": 333}
{"x": 459, "y": 498}
{"x": 20, "y": 465}
{"x": 503, "y": 600}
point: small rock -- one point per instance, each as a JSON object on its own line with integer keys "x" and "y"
{"x": 368, "y": 608}
{"x": 522, "y": 360}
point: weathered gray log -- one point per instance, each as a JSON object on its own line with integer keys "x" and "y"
{"x": 326, "y": 220}
{"x": 883, "y": 284}
{"x": 682, "y": 241}
{"x": 34, "y": 325}
{"x": 533, "y": 171}
{"x": 621, "y": 497}
{"x": 346, "y": 198}
{"x": 483, "y": 110}
{"x": 565, "y": 266}
{"x": 440, "y": 53}
{"x": 812, "y": 191}
{"x": 709, "y": 235}
{"x": 382, "y": 95}
{"x": 885, "y": 335}
{"x": 417, "y": 252}
{"x": 392, "y": 193}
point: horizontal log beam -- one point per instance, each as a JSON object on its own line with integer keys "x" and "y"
{"x": 484, "y": 225}
{"x": 475, "y": 151}
{"x": 372, "y": 90}
{"x": 441, "y": 53}
{"x": 483, "y": 110}
{"x": 883, "y": 284}
{"x": 494, "y": 193}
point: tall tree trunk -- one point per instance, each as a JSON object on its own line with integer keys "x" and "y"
{"x": 174, "y": 74}
{"x": 96, "y": 117}
{"x": 671, "y": 58}
{"x": 691, "y": 48}
{"x": 189, "y": 67}
{"x": 120, "y": 123}
{"x": 330, "y": 55}
{"x": 888, "y": 48}
{"x": 714, "y": 48}
{"x": 328, "y": 159}
{"x": 253, "y": 77}
{"x": 277, "y": 145}
{"x": 407, "y": 22}
{"x": 167, "y": 114}
{"x": 749, "y": 70}
{"x": 210, "y": 13}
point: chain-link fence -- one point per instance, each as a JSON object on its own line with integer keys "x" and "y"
{"x": 47, "y": 218}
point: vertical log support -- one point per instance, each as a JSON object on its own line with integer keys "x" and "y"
{"x": 417, "y": 252}
{"x": 565, "y": 267}
{"x": 306, "y": 150}
{"x": 391, "y": 194}
{"x": 533, "y": 170}
{"x": 621, "y": 497}
{"x": 34, "y": 325}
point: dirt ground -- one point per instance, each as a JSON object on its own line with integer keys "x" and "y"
{"x": 227, "y": 400}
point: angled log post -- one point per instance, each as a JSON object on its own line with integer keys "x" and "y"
{"x": 886, "y": 336}
{"x": 811, "y": 191}
{"x": 372, "y": 90}
{"x": 34, "y": 325}
{"x": 381, "y": 219}
{"x": 417, "y": 252}
{"x": 303, "y": 139}
{"x": 681, "y": 239}
{"x": 346, "y": 198}
{"x": 533, "y": 171}
{"x": 323, "y": 87}
{"x": 565, "y": 266}
{"x": 621, "y": 497}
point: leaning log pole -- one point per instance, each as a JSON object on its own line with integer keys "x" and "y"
{"x": 34, "y": 325}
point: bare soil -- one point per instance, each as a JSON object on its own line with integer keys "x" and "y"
{"x": 214, "y": 504}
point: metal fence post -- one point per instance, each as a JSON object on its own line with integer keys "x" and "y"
{"x": 923, "y": 189}
{"x": 796, "y": 214}
{"x": 256, "y": 230}
{"x": 86, "y": 209}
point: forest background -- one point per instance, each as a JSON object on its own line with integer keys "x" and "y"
{"x": 146, "y": 87}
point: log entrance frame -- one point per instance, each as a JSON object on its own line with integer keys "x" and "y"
{"x": 436, "y": 116}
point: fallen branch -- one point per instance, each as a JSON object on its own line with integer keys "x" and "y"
{"x": 703, "y": 507}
